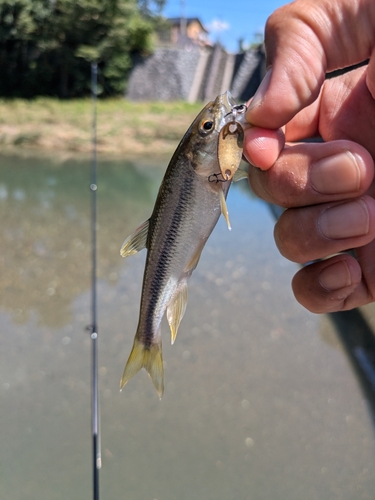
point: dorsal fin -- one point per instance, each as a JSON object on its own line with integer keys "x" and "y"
{"x": 136, "y": 241}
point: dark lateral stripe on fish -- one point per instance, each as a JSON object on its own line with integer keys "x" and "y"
{"x": 166, "y": 254}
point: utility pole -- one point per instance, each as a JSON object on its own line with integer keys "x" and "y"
{"x": 183, "y": 20}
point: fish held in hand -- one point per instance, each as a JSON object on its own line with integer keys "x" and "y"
{"x": 191, "y": 197}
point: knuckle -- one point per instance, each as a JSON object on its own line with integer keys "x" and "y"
{"x": 292, "y": 241}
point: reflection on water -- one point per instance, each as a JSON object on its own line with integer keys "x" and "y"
{"x": 45, "y": 255}
{"x": 260, "y": 401}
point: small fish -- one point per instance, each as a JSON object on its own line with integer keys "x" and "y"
{"x": 191, "y": 197}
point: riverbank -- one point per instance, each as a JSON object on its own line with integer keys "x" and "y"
{"x": 125, "y": 128}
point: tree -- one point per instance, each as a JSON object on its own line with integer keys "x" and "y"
{"x": 46, "y": 45}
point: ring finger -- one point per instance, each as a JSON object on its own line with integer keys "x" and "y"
{"x": 315, "y": 232}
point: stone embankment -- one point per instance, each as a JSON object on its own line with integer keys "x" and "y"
{"x": 196, "y": 74}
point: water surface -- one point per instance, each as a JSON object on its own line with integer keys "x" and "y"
{"x": 260, "y": 399}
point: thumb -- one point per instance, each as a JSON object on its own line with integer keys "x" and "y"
{"x": 304, "y": 40}
{"x": 370, "y": 76}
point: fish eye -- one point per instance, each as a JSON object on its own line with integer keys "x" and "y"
{"x": 207, "y": 125}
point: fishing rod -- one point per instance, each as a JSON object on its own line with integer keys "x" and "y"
{"x": 96, "y": 449}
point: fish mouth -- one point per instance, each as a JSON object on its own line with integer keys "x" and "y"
{"x": 227, "y": 101}
{"x": 225, "y": 105}
{"x": 233, "y": 111}
{"x": 227, "y": 110}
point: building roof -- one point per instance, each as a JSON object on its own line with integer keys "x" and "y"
{"x": 176, "y": 21}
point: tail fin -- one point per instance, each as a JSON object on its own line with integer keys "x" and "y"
{"x": 151, "y": 359}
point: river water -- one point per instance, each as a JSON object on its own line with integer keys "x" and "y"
{"x": 260, "y": 400}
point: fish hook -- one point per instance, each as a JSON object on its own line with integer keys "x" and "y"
{"x": 238, "y": 109}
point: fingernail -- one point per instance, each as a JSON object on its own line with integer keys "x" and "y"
{"x": 336, "y": 174}
{"x": 262, "y": 89}
{"x": 335, "y": 276}
{"x": 346, "y": 220}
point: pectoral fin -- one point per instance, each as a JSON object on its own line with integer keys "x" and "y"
{"x": 239, "y": 175}
{"x": 151, "y": 359}
{"x": 176, "y": 310}
{"x": 136, "y": 241}
{"x": 224, "y": 210}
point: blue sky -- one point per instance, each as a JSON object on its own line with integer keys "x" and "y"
{"x": 227, "y": 20}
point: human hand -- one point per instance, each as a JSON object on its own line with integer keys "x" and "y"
{"x": 327, "y": 187}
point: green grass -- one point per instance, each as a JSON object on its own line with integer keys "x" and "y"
{"x": 123, "y": 126}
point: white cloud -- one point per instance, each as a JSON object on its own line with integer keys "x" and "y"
{"x": 217, "y": 26}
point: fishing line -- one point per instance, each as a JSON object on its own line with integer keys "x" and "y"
{"x": 96, "y": 451}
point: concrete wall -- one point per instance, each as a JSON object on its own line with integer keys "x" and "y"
{"x": 165, "y": 76}
{"x": 195, "y": 74}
